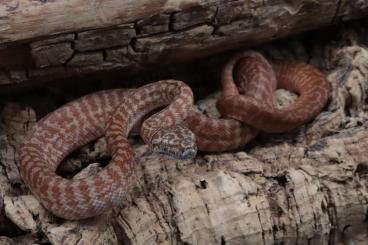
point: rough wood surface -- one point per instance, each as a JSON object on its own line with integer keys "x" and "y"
{"x": 305, "y": 187}
{"x": 89, "y": 37}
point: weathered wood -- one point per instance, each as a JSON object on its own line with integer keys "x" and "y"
{"x": 77, "y": 38}
{"x": 27, "y": 19}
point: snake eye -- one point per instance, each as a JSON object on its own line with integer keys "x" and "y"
{"x": 189, "y": 153}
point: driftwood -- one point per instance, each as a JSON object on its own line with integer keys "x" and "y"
{"x": 48, "y": 40}
{"x": 305, "y": 187}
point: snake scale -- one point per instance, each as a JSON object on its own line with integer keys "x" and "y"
{"x": 249, "y": 82}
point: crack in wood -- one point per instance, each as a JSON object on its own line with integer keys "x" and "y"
{"x": 337, "y": 11}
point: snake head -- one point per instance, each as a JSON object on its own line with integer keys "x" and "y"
{"x": 177, "y": 142}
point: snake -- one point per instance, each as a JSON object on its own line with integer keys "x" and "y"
{"x": 306, "y": 81}
{"x": 177, "y": 130}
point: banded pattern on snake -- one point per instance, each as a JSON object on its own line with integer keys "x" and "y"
{"x": 169, "y": 131}
{"x": 303, "y": 79}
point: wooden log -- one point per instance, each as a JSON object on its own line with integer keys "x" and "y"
{"x": 48, "y": 40}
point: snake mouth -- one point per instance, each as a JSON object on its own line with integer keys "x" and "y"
{"x": 186, "y": 154}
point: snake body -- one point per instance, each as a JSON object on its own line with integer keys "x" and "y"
{"x": 81, "y": 121}
{"x": 303, "y": 79}
{"x": 175, "y": 130}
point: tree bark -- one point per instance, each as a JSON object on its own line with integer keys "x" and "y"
{"x": 50, "y": 40}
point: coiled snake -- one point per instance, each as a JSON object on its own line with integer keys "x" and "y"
{"x": 176, "y": 130}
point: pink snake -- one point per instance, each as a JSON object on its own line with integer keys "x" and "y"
{"x": 176, "y": 130}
